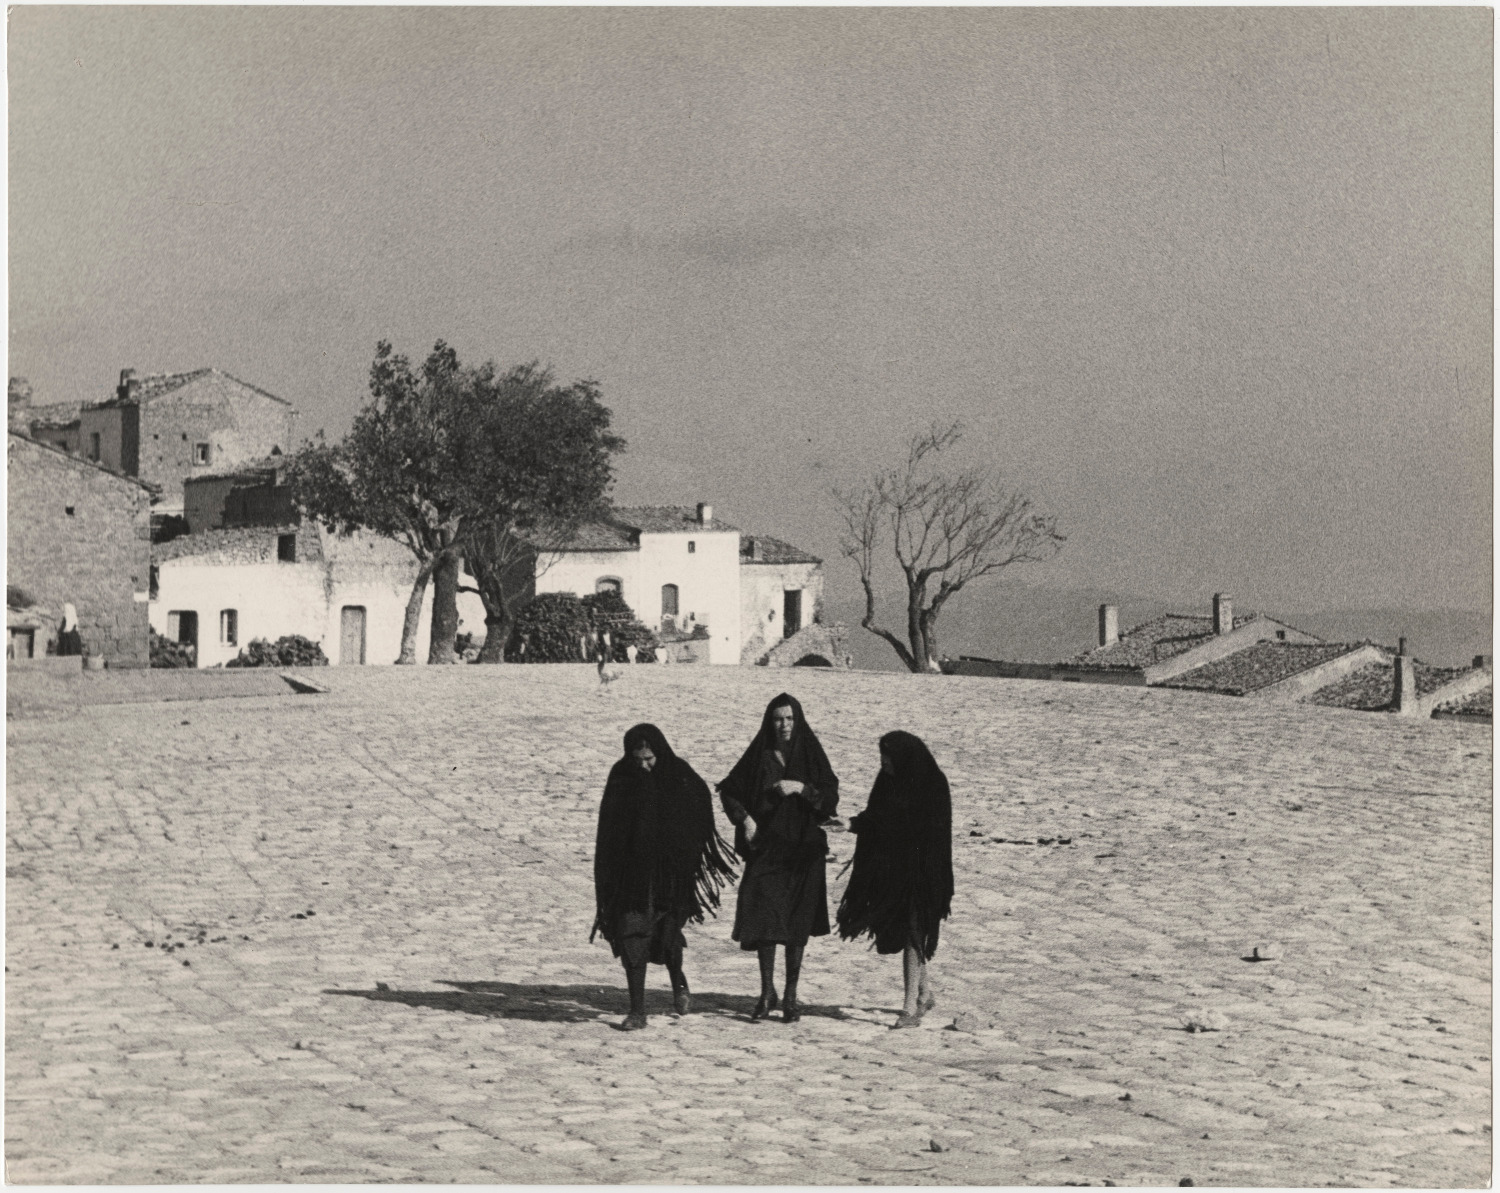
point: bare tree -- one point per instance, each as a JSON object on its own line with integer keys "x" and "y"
{"x": 948, "y": 528}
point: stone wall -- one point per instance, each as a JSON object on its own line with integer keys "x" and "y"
{"x": 762, "y": 599}
{"x": 80, "y": 534}
{"x": 813, "y": 646}
{"x": 239, "y": 423}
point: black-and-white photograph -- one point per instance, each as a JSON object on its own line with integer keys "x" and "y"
{"x": 750, "y": 596}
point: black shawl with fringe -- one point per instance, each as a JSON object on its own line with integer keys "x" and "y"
{"x": 794, "y": 822}
{"x": 657, "y": 848}
{"x": 903, "y": 858}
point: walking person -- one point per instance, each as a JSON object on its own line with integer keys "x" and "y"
{"x": 658, "y": 863}
{"x": 779, "y": 794}
{"x": 901, "y": 887}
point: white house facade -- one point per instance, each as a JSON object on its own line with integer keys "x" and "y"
{"x": 676, "y": 567}
{"x": 220, "y": 589}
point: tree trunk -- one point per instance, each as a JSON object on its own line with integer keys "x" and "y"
{"x": 444, "y": 607}
{"x": 414, "y": 614}
{"x": 919, "y": 659}
{"x": 497, "y": 628}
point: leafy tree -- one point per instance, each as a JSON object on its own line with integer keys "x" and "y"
{"x": 463, "y": 463}
{"x": 537, "y": 460}
{"x": 944, "y": 527}
{"x": 393, "y": 474}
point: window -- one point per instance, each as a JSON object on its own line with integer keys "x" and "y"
{"x": 692, "y": 546}
{"x": 791, "y": 612}
{"x": 94, "y": 446}
{"x": 68, "y": 509}
{"x": 200, "y": 453}
{"x": 669, "y": 599}
{"x": 609, "y": 584}
{"x": 229, "y": 627}
{"x": 286, "y": 548}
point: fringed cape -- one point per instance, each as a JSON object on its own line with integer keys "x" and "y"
{"x": 903, "y": 857}
{"x": 657, "y": 848}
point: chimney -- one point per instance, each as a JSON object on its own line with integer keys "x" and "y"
{"x": 1223, "y": 613}
{"x": 1109, "y": 625}
{"x": 1404, "y": 697}
{"x": 754, "y": 547}
{"x": 1401, "y": 646}
{"x": 128, "y": 385}
{"x": 1482, "y": 660}
{"x": 19, "y": 405}
{"x": 705, "y": 514}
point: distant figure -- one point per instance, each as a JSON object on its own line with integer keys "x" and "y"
{"x": 658, "y": 863}
{"x": 69, "y": 640}
{"x": 630, "y": 653}
{"x": 778, "y": 795}
{"x": 902, "y": 884}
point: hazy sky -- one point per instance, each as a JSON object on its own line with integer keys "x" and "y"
{"x": 1214, "y": 284}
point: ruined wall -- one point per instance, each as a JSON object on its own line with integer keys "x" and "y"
{"x": 78, "y": 533}
{"x": 762, "y": 603}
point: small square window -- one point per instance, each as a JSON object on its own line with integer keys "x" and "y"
{"x": 692, "y": 546}
{"x": 286, "y": 548}
{"x": 68, "y": 509}
{"x": 200, "y": 453}
{"x": 229, "y": 627}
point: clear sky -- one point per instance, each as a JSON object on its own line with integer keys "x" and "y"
{"x": 1215, "y": 285}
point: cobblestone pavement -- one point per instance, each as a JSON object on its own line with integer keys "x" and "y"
{"x": 343, "y": 938}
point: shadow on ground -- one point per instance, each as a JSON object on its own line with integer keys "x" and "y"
{"x": 564, "y": 1004}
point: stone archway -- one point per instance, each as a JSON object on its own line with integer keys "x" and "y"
{"x": 812, "y": 660}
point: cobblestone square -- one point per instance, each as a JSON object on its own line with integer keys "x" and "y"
{"x": 344, "y": 938}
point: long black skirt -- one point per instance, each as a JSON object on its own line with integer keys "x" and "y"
{"x": 649, "y": 936}
{"x": 781, "y": 901}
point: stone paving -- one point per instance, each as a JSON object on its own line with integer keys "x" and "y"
{"x": 343, "y": 938}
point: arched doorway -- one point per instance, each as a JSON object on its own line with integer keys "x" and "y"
{"x": 812, "y": 660}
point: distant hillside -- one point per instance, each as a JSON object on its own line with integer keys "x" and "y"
{"x": 1046, "y": 625}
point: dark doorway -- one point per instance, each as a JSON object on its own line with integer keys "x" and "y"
{"x": 182, "y": 626}
{"x": 791, "y": 616}
{"x": 352, "y": 635}
{"x": 812, "y": 660}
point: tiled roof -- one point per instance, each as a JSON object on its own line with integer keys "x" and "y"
{"x": 251, "y": 470}
{"x": 1373, "y": 688}
{"x": 1475, "y": 704}
{"x": 1259, "y": 666}
{"x": 53, "y": 414}
{"x": 154, "y": 385}
{"x": 1154, "y": 641}
{"x": 773, "y": 551}
{"x": 618, "y": 531}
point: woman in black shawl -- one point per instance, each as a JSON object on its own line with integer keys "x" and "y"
{"x": 902, "y": 884}
{"x": 779, "y": 795}
{"x": 657, "y": 863}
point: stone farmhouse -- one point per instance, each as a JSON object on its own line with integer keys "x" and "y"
{"x": 166, "y": 427}
{"x": 78, "y": 533}
{"x": 1254, "y": 655}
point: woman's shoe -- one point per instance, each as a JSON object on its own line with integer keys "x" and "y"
{"x": 792, "y": 1013}
{"x": 682, "y": 1000}
{"x": 905, "y": 1020}
{"x": 764, "y": 1007}
{"x": 633, "y": 1022}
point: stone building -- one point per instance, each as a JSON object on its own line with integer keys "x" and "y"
{"x": 217, "y": 590}
{"x": 166, "y": 427}
{"x": 727, "y": 598}
{"x": 79, "y": 533}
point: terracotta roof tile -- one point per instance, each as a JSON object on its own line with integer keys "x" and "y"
{"x": 1259, "y": 666}
{"x": 1154, "y": 641}
{"x": 773, "y": 550}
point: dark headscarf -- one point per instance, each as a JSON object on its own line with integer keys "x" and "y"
{"x": 903, "y": 859}
{"x": 805, "y": 761}
{"x": 657, "y": 847}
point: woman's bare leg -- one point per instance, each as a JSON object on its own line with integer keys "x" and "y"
{"x": 913, "y": 970}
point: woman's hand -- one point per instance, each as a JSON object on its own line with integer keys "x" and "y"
{"x": 748, "y": 824}
{"x": 790, "y": 787}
